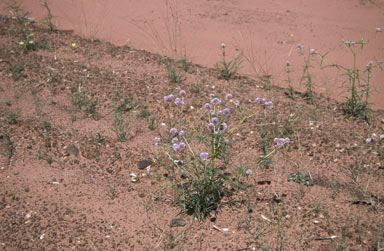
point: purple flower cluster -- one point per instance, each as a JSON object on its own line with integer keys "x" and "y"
{"x": 281, "y": 141}
{"x": 216, "y": 121}
{"x": 373, "y": 137}
{"x": 178, "y": 101}
{"x": 216, "y": 101}
{"x": 204, "y": 156}
{"x": 168, "y": 98}
{"x": 157, "y": 141}
{"x": 265, "y": 103}
{"x": 178, "y": 147}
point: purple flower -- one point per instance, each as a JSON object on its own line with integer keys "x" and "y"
{"x": 212, "y": 112}
{"x": 237, "y": 104}
{"x": 222, "y": 45}
{"x": 249, "y": 172}
{"x": 369, "y": 64}
{"x": 208, "y": 106}
{"x": 228, "y": 96}
{"x": 268, "y": 104}
{"x": 204, "y": 156}
{"x": 220, "y": 112}
{"x": 148, "y": 170}
{"x": 168, "y": 98}
{"x": 281, "y": 141}
{"x": 211, "y": 126}
{"x": 179, "y": 162}
{"x": 176, "y": 147}
{"x": 223, "y": 126}
{"x": 226, "y": 141}
{"x": 179, "y": 102}
{"x": 182, "y": 93}
{"x": 313, "y": 51}
{"x": 369, "y": 140}
{"x": 261, "y": 101}
{"x": 181, "y": 133}
{"x": 215, "y": 120}
{"x": 157, "y": 141}
{"x": 226, "y": 111}
{"x": 212, "y": 95}
{"x": 382, "y": 136}
{"x": 175, "y": 140}
{"x": 378, "y": 29}
{"x": 173, "y": 131}
{"x": 216, "y": 101}
{"x": 182, "y": 145}
{"x": 287, "y": 63}
{"x": 374, "y": 135}
{"x": 300, "y": 46}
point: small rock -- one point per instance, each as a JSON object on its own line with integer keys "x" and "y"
{"x": 143, "y": 164}
{"x": 178, "y": 222}
{"x": 316, "y": 221}
{"x": 72, "y": 149}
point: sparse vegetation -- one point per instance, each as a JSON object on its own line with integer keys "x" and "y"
{"x": 273, "y": 173}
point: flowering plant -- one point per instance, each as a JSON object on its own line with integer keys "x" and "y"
{"x": 199, "y": 175}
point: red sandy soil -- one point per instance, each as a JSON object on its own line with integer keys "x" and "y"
{"x": 65, "y": 179}
{"x": 265, "y": 31}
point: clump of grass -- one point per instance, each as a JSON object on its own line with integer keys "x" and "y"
{"x": 228, "y": 68}
{"x": 173, "y": 74}
{"x": 201, "y": 177}
{"x": 306, "y": 77}
{"x": 121, "y": 126}
{"x": 302, "y": 177}
{"x": 47, "y": 21}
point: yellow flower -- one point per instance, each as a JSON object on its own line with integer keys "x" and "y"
{"x": 21, "y": 43}
{"x": 73, "y": 44}
{"x": 31, "y": 42}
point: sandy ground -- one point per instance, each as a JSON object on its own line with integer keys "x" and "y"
{"x": 77, "y": 117}
{"x": 266, "y": 32}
